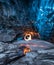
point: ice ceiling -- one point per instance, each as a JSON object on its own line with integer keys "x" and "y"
{"x": 41, "y": 12}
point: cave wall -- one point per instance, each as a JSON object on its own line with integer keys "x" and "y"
{"x": 21, "y": 12}
{"x": 42, "y": 13}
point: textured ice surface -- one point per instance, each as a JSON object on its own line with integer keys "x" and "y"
{"x": 38, "y": 55}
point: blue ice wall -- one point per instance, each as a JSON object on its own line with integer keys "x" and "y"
{"x": 42, "y": 13}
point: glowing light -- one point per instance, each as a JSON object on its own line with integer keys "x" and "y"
{"x": 27, "y": 37}
{"x": 26, "y": 50}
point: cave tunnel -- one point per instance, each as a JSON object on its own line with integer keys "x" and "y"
{"x": 35, "y": 14}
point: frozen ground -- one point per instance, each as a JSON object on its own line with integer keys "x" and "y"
{"x": 42, "y": 53}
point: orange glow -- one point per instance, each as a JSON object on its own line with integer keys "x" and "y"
{"x": 26, "y": 50}
{"x": 28, "y": 32}
{"x": 29, "y": 35}
{"x": 29, "y": 46}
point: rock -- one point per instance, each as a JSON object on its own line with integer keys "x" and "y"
{"x": 12, "y": 47}
{"x": 2, "y": 59}
{"x": 37, "y": 56}
{"x": 3, "y": 47}
{"x": 29, "y": 58}
{"x": 36, "y": 44}
{"x": 7, "y": 35}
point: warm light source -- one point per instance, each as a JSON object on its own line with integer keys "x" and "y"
{"x": 27, "y": 37}
{"x": 26, "y": 50}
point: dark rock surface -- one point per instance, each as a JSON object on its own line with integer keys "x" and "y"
{"x": 38, "y": 55}
{"x": 7, "y": 35}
